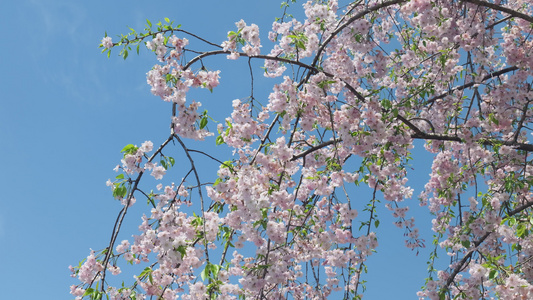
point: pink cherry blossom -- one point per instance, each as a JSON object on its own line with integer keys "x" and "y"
{"x": 296, "y": 209}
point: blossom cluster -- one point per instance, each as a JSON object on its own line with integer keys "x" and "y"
{"x": 248, "y": 36}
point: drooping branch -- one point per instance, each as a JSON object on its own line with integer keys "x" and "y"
{"x": 313, "y": 70}
{"x": 470, "y": 84}
{"x": 521, "y": 121}
{"x": 195, "y": 171}
{"x": 484, "y": 142}
{"x": 263, "y": 140}
{"x": 419, "y": 135}
{"x": 503, "y": 9}
{"x": 464, "y": 260}
{"x": 314, "y": 148}
{"x": 268, "y": 57}
{"x": 122, "y": 215}
{"x": 213, "y": 158}
{"x": 359, "y": 15}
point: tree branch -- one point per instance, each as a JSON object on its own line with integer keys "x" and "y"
{"x": 461, "y": 264}
{"x": 314, "y": 148}
{"x": 513, "y": 13}
{"x": 122, "y": 214}
{"x": 350, "y": 20}
{"x": 470, "y": 84}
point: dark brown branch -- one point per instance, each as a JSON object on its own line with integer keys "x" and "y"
{"x": 461, "y": 264}
{"x": 264, "y": 138}
{"x": 314, "y": 148}
{"x": 268, "y": 57}
{"x": 513, "y": 13}
{"x": 417, "y": 131}
{"x": 426, "y": 136}
{"x": 351, "y": 20}
{"x": 122, "y": 214}
{"x": 484, "y": 142}
{"x": 521, "y": 121}
{"x": 311, "y": 68}
{"x": 213, "y": 158}
{"x": 470, "y": 84}
{"x": 193, "y": 167}
{"x": 463, "y": 261}
{"x": 519, "y": 209}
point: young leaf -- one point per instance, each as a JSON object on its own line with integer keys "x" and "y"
{"x": 203, "y": 122}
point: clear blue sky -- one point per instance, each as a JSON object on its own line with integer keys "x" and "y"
{"x": 66, "y": 111}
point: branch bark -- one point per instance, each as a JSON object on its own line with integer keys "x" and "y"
{"x": 503, "y": 9}
{"x": 470, "y": 84}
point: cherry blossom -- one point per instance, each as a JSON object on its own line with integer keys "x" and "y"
{"x": 295, "y": 211}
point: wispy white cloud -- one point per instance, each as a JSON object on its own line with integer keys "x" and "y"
{"x": 62, "y": 44}
{"x": 53, "y": 21}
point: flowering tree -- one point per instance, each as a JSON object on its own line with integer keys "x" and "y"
{"x": 357, "y": 84}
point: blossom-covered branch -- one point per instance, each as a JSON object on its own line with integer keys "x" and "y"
{"x": 305, "y": 168}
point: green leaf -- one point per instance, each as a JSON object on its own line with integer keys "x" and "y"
{"x": 219, "y": 140}
{"x": 182, "y": 250}
{"x": 120, "y": 176}
{"x": 493, "y": 274}
{"x": 120, "y": 191}
{"x": 167, "y": 20}
{"x": 88, "y": 292}
{"x": 521, "y": 230}
{"x": 493, "y": 119}
{"x": 93, "y": 294}
{"x": 129, "y": 149}
{"x": 203, "y": 122}
{"x": 205, "y": 273}
{"x": 325, "y": 83}
{"x": 442, "y": 295}
{"x": 145, "y": 272}
{"x": 386, "y": 104}
{"x": 171, "y": 160}
{"x": 214, "y": 270}
{"x": 149, "y": 23}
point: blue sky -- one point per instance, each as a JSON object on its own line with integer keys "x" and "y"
{"x": 66, "y": 111}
